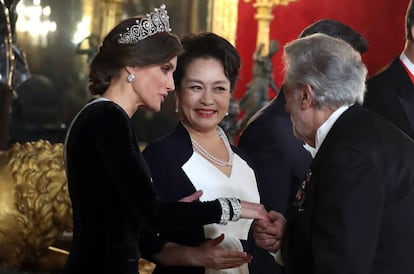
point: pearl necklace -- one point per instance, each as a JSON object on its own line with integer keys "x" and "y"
{"x": 203, "y": 152}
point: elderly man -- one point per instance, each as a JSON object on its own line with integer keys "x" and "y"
{"x": 275, "y": 152}
{"x": 354, "y": 211}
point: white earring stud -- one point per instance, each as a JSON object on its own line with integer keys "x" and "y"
{"x": 131, "y": 78}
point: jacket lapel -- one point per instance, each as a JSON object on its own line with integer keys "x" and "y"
{"x": 405, "y": 92}
{"x": 408, "y": 107}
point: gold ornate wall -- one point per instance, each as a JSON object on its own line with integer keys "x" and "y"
{"x": 223, "y": 18}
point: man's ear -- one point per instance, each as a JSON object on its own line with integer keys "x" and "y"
{"x": 306, "y": 96}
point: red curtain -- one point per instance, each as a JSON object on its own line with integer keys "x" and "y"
{"x": 381, "y": 22}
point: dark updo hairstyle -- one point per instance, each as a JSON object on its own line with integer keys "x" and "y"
{"x": 113, "y": 56}
{"x": 208, "y": 45}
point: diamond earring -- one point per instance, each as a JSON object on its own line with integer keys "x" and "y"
{"x": 131, "y": 78}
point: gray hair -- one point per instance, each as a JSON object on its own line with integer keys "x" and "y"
{"x": 330, "y": 66}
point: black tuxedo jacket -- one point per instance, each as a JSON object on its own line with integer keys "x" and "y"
{"x": 280, "y": 163}
{"x": 391, "y": 94}
{"x": 354, "y": 213}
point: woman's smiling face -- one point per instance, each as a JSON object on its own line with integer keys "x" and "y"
{"x": 204, "y": 96}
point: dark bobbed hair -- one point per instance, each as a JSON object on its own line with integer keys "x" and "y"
{"x": 409, "y": 21}
{"x": 208, "y": 45}
{"x": 338, "y": 30}
{"x": 113, "y": 56}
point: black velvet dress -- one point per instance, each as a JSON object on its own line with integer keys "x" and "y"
{"x": 112, "y": 193}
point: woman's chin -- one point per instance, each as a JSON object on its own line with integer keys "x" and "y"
{"x": 155, "y": 108}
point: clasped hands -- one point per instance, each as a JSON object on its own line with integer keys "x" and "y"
{"x": 268, "y": 233}
{"x": 268, "y": 227}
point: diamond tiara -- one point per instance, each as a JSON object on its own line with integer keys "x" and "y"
{"x": 155, "y": 22}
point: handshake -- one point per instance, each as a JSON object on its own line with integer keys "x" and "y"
{"x": 268, "y": 233}
{"x": 268, "y": 226}
{"x": 267, "y": 230}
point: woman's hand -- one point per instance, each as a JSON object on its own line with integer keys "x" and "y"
{"x": 209, "y": 254}
{"x": 193, "y": 197}
{"x": 253, "y": 211}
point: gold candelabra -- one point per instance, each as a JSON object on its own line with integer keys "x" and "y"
{"x": 113, "y": 14}
{"x": 9, "y": 46}
{"x": 223, "y": 18}
{"x": 264, "y": 16}
{"x": 106, "y": 14}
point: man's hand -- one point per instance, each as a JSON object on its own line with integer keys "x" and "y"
{"x": 268, "y": 233}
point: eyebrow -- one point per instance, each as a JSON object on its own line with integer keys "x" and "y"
{"x": 223, "y": 82}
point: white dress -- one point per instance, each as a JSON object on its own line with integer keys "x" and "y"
{"x": 215, "y": 184}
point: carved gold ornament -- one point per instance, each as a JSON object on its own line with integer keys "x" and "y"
{"x": 35, "y": 207}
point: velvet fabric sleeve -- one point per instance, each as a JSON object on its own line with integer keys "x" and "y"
{"x": 115, "y": 141}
